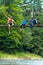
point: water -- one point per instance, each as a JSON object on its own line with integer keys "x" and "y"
{"x": 21, "y": 62}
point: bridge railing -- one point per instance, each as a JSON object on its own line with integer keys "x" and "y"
{"x": 39, "y": 25}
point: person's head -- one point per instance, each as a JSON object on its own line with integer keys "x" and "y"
{"x": 24, "y": 18}
{"x": 11, "y": 17}
{"x": 33, "y": 18}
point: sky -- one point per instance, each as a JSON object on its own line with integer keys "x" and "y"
{"x": 42, "y": 4}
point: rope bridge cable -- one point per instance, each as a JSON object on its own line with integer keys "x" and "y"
{"x": 40, "y": 25}
{"x": 37, "y": 25}
{"x": 3, "y": 25}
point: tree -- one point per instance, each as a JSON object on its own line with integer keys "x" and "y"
{"x": 31, "y": 7}
{"x": 14, "y": 39}
{"x": 32, "y": 40}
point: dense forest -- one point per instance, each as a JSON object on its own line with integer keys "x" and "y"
{"x": 25, "y": 39}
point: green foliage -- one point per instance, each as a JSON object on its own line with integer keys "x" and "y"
{"x": 25, "y": 40}
{"x": 33, "y": 41}
{"x": 12, "y": 40}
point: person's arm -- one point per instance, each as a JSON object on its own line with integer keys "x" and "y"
{"x": 36, "y": 20}
{"x": 12, "y": 20}
{"x": 29, "y": 20}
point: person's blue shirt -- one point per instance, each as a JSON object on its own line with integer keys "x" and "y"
{"x": 24, "y": 22}
{"x": 33, "y": 22}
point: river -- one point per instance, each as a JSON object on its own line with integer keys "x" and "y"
{"x": 21, "y": 62}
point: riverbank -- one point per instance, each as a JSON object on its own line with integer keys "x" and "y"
{"x": 17, "y": 55}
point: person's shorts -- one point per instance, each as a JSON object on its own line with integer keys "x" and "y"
{"x": 10, "y": 24}
{"x": 22, "y": 26}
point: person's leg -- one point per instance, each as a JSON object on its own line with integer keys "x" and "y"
{"x": 24, "y": 26}
{"x": 21, "y": 26}
{"x": 9, "y": 28}
{"x": 31, "y": 26}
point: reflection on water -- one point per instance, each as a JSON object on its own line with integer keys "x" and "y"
{"x": 21, "y": 62}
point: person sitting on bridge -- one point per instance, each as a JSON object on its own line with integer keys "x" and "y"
{"x": 23, "y": 23}
{"x": 10, "y": 22}
{"x": 33, "y": 21}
